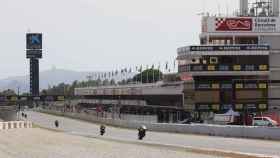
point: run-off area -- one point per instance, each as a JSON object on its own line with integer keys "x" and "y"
{"x": 40, "y": 143}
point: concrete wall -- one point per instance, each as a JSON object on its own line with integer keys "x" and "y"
{"x": 8, "y": 113}
{"x": 204, "y": 129}
{"x": 144, "y": 118}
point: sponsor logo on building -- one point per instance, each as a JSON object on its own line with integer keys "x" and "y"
{"x": 234, "y": 24}
{"x": 265, "y": 24}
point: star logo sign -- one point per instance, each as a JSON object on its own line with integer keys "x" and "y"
{"x": 35, "y": 39}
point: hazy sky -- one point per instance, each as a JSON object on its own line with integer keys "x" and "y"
{"x": 92, "y": 35}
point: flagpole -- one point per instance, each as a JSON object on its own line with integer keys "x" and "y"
{"x": 153, "y": 74}
{"x": 158, "y": 71}
{"x": 141, "y": 74}
{"x": 147, "y": 74}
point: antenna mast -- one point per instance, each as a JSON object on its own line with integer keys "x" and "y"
{"x": 259, "y": 8}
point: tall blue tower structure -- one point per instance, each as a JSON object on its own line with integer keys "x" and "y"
{"x": 34, "y": 53}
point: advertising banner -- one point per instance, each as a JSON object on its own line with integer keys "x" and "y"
{"x": 241, "y": 24}
{"x": 34, "y": 41}
{"x": 233, "y": 24}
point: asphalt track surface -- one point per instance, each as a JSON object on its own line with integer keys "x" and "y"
{"x": 209, "y": 142}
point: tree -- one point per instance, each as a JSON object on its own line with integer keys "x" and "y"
{"x": 8, "y": 92}
{"x": 148, "y": 76}
{"x": 112, "y": 82}
{"x": 25, "y": 94}
{"x": 44, "y": 92}
{"x": 105, "y": 82}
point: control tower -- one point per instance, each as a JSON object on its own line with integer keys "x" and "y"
{"x": 237, "y": 61}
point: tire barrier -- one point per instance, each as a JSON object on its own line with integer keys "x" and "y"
{"x": 15, "y": 124}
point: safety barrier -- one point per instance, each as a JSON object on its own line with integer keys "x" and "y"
{"x": 272, "y": 133}
{"x": 15, "y": 124}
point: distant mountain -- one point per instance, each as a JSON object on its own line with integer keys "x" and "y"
{"x": 48, "y": 78}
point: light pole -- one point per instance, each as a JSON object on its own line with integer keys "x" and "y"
{"x": 18, "y": 90}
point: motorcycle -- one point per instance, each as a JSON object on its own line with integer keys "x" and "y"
{"x": 56, "y": 123}
{"x": 142, "y": 132}
{"x": 102, "y": 130}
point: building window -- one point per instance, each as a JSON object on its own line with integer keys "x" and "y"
{"x": 239, "y": 86}
{"x": 188, "y": 68}
{"x": 249, "y": 67}
{"x": 204, "y": 86}
{"x": 238, "y": 106}
{"x": 236, "y": 67}
{"x": 262, "y": 85}
{"x": 226, "y": 107}
{"x": 197, "y": 68}
{"x": 182, "y": 62}
{"x": 185, "y": 68}
{"x": 204, "y": 61}
{"x": 211, "y": 68}
{"x": 226, "y": 86}
{"x": 262, "y": 106}
{"x": 215, "y": 86}
{"x": 223, "y": 67}
{"x": 216, "y": 107}
{"x": 251, "y": 85}
{"x": 203, "y": 107}
{"x": 213, "y": 60}
{"x": 262, "y": 67}
{"x": 251, "y": 106}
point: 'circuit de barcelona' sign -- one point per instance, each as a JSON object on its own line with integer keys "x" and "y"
{"x": 241, "y": 24}
{"x": 266, "y": 24}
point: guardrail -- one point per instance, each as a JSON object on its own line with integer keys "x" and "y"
{"x": 15, "y": 124}
{"x": 271, "y": 133}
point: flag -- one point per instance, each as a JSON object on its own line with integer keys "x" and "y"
{"x": 140, "y": 69}
{"x": 158, "y": 71}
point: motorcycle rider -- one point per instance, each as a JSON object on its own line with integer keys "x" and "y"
{"x": 102, "y": 129}
{"x": 142, "y": 132}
